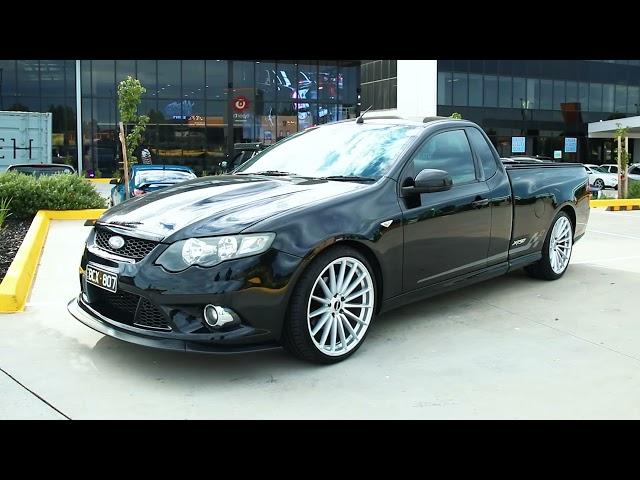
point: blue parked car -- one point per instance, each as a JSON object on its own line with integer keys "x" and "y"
{"x": 147, "y": 178}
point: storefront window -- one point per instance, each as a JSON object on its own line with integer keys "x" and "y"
{"x": 28, "y": 79}
{"x": 475, "y": 90}
{"x": 193, "y": 79}
{"x": 7, "y": 81}
{"x": 169, "y": 78}
{"x": 217, "y": 79}
{"x": 52, "y": 78}
{"x": 328, "y": 81}
{"x": 504, "y": 92}
{"x": 460, "y": 88}
{"x": 595, "y": 97}
{"x": 633, "y": 100}
{"x": 124, "y": 69}
{"x": 103, "y": 78}
{"x": 608, "y": 92}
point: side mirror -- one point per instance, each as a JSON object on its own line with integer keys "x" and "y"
{"x": 113, "y": 181}
{"x": 429, "y": 180}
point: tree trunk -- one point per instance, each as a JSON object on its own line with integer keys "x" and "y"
{"x": 125, "y": 162}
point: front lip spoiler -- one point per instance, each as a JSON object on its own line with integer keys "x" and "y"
{"x": 111, "y": 329}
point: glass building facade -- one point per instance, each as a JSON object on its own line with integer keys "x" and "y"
{"x": 544, "y": 101}
{"x": 198, "y": 109}
{"x": 379, "y": 84}
{"x": 44, "y": 86}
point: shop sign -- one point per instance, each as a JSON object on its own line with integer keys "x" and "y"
{"x": 240, "y": 104}
{"x": 517, "y": 144}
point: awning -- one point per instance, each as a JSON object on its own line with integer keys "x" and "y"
{"x": 607, "y": 129}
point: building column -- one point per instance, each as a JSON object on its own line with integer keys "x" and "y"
{"x": 79, "y": 116}
{"x": 418, "y": 88}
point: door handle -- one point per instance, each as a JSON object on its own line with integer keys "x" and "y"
{"x": 480, "y": 202}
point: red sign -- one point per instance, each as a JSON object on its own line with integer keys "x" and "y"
{"x": 240, "y": 104}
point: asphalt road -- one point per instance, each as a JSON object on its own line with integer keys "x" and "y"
{"x": 512, "y": 347}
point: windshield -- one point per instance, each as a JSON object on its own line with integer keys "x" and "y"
{"x": 162, "y": 176}
{"x": 341, "y": 149}
{"x": 600, "y": 169}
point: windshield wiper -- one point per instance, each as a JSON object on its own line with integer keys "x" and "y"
{"x": 349, "y": 178}
{"x": 270, "y": 173}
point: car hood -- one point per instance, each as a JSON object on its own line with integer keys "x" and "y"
{"x": 220, "y": 205}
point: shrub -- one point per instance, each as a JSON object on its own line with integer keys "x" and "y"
{"x": 633, "y": 189}
{"x": 29, "y": 194}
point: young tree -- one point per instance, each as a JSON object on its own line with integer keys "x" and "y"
{"x": 130, "y": 92}
{"x": 623, "y": 159}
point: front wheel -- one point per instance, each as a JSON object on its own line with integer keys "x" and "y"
{"x": 556, "y": 251}
{"x": 332, "y": 307}
{"x": 599, "y": 183}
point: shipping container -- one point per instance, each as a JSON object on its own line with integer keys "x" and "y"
{"x": 25, "y": 137}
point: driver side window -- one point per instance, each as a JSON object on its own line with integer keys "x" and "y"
{"x": 448, "y": 151}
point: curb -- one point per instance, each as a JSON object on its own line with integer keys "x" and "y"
{"x": 16, "y": 285}
{"x": 623, "y": 208}
{"x": 99, "y": 180}
{"x": 614, "y": 202}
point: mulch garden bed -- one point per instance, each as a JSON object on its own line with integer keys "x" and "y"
{"x": 11, "y": 235}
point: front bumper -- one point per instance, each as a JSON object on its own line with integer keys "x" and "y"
{"x": 156, "y": 308}
{"x": 196, "y": 343}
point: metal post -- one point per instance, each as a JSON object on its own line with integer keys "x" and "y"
{"x": 79, "y": 116}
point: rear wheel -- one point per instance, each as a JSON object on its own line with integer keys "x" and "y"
{"x": 556, "y": 251}
{"x": 332, "y": 307}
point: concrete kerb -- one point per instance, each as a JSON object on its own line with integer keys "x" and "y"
{"x": 16, "y": 285}
{"x": 100, "y": 180}
{"x": 615, "y": 204}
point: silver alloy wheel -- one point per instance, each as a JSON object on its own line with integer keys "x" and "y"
{"x": 340, "y": 306}
{"x": 560, "y": 245}
{"x": 599, "y": 183}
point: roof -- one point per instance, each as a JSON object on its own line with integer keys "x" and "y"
{"x": 378, "y": 118}
{"x": 607, "y": 128}
{"x": 139, "y": 166}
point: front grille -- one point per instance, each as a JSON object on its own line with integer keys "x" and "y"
{"x": 150, "y": 316}
{"x": 129, "y": 309}
{"x": 135, "y": 248}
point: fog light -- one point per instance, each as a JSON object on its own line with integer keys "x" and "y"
{"x": 216, "y": 316}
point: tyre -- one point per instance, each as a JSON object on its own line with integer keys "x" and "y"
{"x": 556, "y": 250}
{"x": 331, "y": 307}
{"x": 599, "y": 183}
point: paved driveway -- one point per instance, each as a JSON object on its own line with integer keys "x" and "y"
{"x": 512, "y": 347}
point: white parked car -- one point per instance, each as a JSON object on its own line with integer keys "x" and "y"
{"x": 633, "y": 171}
{"x": 600, "y": 178}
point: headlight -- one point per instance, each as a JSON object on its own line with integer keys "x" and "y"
{"x": 207, "y": 252}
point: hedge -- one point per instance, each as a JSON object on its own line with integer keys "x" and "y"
{"x": 634, "y": 189}
{"x": 63, "y": 191}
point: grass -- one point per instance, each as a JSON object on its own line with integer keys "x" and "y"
{"x": 4, "y": 210}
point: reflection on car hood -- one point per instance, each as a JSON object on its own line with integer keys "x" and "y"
{"x": 219, "y": 205}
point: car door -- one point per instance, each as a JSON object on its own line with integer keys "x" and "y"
{"x": 446, "y": 234}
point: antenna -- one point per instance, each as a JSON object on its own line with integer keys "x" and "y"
{"x": 360, "y": 118}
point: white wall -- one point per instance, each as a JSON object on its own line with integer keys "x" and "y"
{"x": 417, "y": 87}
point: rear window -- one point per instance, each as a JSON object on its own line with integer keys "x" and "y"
{"x": 484, "y": 152}
{"x": 162, "y": 176}
{"x": 38, "y": 171}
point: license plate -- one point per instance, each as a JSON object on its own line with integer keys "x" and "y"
{"x": 101, "y": 278}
